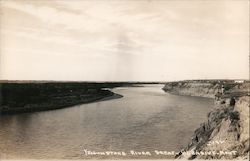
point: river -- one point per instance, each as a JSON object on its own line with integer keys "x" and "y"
{"x": 144, "y": 119}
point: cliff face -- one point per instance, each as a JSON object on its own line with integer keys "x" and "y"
{"x": 207, "y": 88}
{"x": 192, "y": 88}
{"x": 225, "y": 134}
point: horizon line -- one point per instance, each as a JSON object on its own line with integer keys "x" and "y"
{"x": 92, "y": 81}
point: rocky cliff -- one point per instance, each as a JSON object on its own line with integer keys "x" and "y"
{"x": 225, "y": 134}
{"x": 206, "y": 88}
{"x": 201, "y": 89}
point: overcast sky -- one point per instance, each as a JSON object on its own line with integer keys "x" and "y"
{"x": 133, "y": 40}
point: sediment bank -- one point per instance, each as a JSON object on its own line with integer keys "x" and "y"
{"x": 227, "y": 127}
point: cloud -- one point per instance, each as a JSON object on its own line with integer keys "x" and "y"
{"x": 171, "y": 34}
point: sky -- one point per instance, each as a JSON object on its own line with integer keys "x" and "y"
{"x": 118, "y": 40}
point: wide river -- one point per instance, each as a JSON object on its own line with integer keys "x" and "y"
{"x": 145, "y": 119}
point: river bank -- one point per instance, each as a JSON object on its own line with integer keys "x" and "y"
{"x": 41, "y": 96}
{"x": 225, "y": 134}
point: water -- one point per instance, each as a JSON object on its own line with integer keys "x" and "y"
{"x": 145, "y": 119}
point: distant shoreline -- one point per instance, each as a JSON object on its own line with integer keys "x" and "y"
{"x": 56, "y": 107}
{"x": 33, "y": 97}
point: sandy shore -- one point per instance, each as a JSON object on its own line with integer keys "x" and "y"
{"x": 114, "y": 96}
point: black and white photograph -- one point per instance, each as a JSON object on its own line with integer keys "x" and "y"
{"x": 124, "y": 80}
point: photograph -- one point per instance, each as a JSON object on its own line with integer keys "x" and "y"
{"x": 124, "y": 80}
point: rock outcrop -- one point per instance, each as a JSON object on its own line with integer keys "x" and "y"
{"x": 206, "y": 88}
{"x": 201, "y": 89}
{"x": 225, "y": 134}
